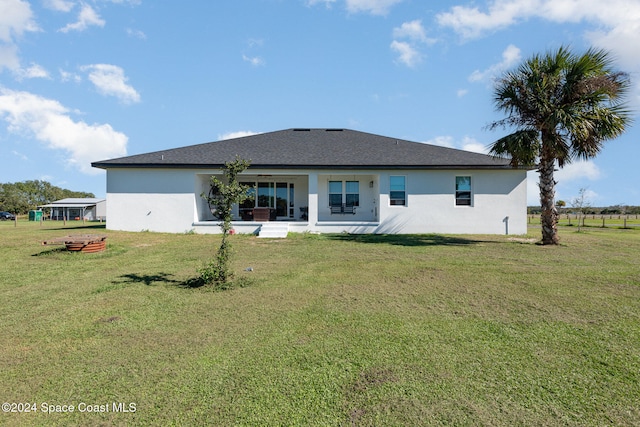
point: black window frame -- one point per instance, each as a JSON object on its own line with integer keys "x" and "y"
{"x": 464, "y": 197}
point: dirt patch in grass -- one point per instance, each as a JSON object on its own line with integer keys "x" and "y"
{"x": 356, "y": 399}
{"x": 373, "y": 377}
{"x": 523, "y": 239}
{"x": 109, "y": 319}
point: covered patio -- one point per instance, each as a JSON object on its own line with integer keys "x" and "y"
{"x": 89, "y": 209}
{"x": 307, "y": 198}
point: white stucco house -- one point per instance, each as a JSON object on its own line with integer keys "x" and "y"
{"x": 321, "y": 180}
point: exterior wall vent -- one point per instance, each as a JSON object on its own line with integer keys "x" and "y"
{"x": 334, "y": 130}
{"x": 301, "y": 130}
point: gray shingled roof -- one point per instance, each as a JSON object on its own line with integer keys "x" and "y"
{"x": 312, "y": 149}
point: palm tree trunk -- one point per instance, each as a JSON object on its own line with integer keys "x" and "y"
{"x": 549, "y": 215}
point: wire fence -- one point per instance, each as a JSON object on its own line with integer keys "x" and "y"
{"x": 593, "y": 220}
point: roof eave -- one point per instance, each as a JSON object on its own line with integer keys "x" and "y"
{"x": 106, "y": 166}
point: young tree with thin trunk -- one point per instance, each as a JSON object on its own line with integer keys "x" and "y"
{"x": 223, "y": 195}
{"x": 563, "y": 107}
{"x": 581, "y": 204}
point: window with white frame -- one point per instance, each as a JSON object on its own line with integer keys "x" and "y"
{"x": 397, "y": 191}
{"x": 463, "y": 191}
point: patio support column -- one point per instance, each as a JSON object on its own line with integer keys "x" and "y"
{"x": 313, "y": 198}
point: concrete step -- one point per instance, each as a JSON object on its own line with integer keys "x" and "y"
{"x": 274, "y": 230}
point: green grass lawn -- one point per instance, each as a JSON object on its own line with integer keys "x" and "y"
{"x": 331, "y": 330}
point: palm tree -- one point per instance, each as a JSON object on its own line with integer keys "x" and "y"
{"x": 563, "y": 107}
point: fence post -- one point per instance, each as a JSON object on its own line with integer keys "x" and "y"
{"x": 602, "y": 221}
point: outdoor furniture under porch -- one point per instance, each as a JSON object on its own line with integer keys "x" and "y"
{"x": 258, "y": 214}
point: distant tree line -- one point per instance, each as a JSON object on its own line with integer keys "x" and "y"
{"x": 21, "y": 197}
{"x": 591, "y": 210}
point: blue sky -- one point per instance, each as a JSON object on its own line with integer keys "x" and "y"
{"x": 83, "y": 81}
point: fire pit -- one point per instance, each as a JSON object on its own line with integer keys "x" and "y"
{"x": 81, "y": 243}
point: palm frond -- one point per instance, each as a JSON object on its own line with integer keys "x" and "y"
{"x": 521, "y": 146}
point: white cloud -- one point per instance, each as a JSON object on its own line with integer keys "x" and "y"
{"x": 411, "y": 30}
{"x": 578, "y": 171}
{"x": 16, "y": 17}
{"x": 470, "y": 22}
{"x": 624, "y": 39}
{"x": 327, "y": 3}
{"x": 86, "y": 18}
{"x": 470, "y": 144}
{"x": 461, "y": 92}
{"x": 111, "y": 81}
{"x": 66, "y": 76}
{"x": 34, "y": 71}
{"x": 256, "y": 61}
{"x": 131, "y": 2}
{"x": 255, "y": 42}
{"x": 59, "y": 5}
{"x": 587, "y": 199}
{"x": 374, "y": 7}
{"x": 442, "y": 141}
{"x": 237, "y": 134}
{"x": 615, "y": 24}
{"x": 49, "y": 122}
{"x": 9, "y": 57}
{"x": 136, "y": 33}
{"x": 407, "y": 54}
{"x": 567, "y": 177}
{"x": 413, "y": 34}
{"x": 467, "y": 143}
{"x": 510, "y": 57}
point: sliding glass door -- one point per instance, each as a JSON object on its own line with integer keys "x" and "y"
{"x": 275, "y": 195}
{"x": 265, "y": 195}
{"x": 282, "y": 199}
